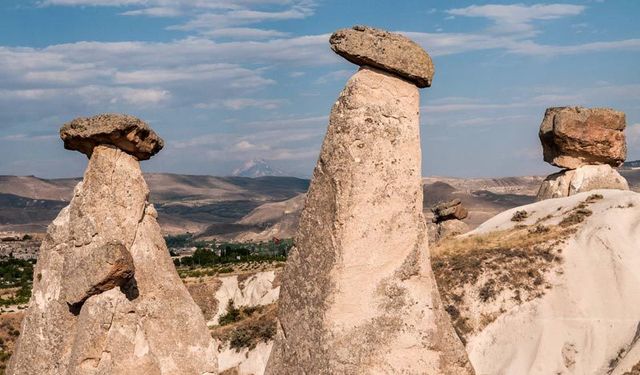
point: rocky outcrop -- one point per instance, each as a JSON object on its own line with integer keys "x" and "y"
{"x": 585, "y": 178}
{"x": 127, "y": 133}
{"x": 253, "y": 289}
{"x": 588, "y": 143}
{"x": 450, "y": 210}
{"x": 387, "y": 51}
{"x": 106, "y": 297}
{"x": 447, "y": 219}
{"x": 450, "y": 228}
{"x": 575, "y": 136}
{"x": 554, "y": 293}
{"x": 358, "y": 295}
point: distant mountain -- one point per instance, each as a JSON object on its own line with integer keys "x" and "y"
{"x": 631, "y": 164}
{"x": 185, "y": 203}
{"x": 257, "y": 168}
{"x": 243, "y": 208}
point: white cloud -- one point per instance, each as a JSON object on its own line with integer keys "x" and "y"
{"x": 338, "y": 75}
{"x": 518, "y": 18}
{"x": 213, "y": 18}
{"x": 244, "y": 33}
{"x": 244, "y": 146}
{"x": 633, "y": 134}
{"x": 154, "y": 12}
{"x": 441, "y": 44}
{"x": 532, "y": 48}
{"x": 512, "y": 29}
{"x": 242, "y": 103}
{"x": 212, "y": 21}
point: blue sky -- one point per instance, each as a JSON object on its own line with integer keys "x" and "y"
{"x": 224, "y": 81}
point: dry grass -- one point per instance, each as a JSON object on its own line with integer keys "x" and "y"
{"x": 512, "y": 264}
{"x": 204, "y": 295}
{"x": 515, "y": 260}
{"x": 9, "y": 331}
{"x": 520, "y": 216}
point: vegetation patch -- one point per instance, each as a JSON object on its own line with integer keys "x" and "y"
{"x": 594, "y": 198}
{"x": 212, "y": 258}
{"x": 520, "y": 216}
{"x": 575, "y": 217}
{"x": 9, "y": 332}
{"x": 212, "y": 253}
{"x": 511, "y": 265}
{"x": 245, "y": 327}
{"x": 514, "y": 260}
{"x": 16, "y": 278}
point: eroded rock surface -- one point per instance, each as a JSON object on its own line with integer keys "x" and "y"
{"x": 358, "y": 295}
{"x": 554, "y": 293}
{"x": 588, "y": 143}
{"x": 585, "y": 178}
{"x": 576, "y": 136}
{"x": 106, "y": 297}
{"x": 450, "y": 210}
{"x": 128, "y": 133}
{"x": 387, "y": 51}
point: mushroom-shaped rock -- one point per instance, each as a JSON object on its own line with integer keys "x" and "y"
{"x": 106, "y": 296}
{"x": 576, "y": 136}
{"x": 387, "y": 51}
{"x": 128, "y": 133}
{"x": 358, "y": 294}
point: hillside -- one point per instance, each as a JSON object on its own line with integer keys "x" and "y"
{"x": 185, "y": 203}
{"x": 525, "y": 290}
{"x": 241, "y": 208}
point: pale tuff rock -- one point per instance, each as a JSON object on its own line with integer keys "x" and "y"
{"x": 106, "y": 296}
{"x": 588, "y": 142}
{"x": 585, "y": 178}
{"x": 128, "y": 133}
{"x": 585, "y": 318}
{"x": 387, "y": 51}
{"x": 96, "y": 271}
{"x": 358, "y": 295}
{"x": 450, "y": 228}
{"x": 576, "y": 136}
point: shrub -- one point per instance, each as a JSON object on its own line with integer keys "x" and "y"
{"x": 519, "y": 216}
{"x": 232, "y": 315}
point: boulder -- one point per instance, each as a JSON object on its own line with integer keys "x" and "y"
{"x": 106, "y": 296}
{"x": 387, "y": 51}
{"x": 576, "y": 136}
{"x": 451, "y": 228}
{"x": 358, "y": 295}
{"x": 585, "y": 178}
{"x": 450, "y": 210}
{"x": 128, "y": 133}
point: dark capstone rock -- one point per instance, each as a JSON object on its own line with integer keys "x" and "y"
{"x": 128, "y": 133}
{"x": 387, "y": 51}
{"x": 450, "y": 210}
{"x": 574, "y": 136}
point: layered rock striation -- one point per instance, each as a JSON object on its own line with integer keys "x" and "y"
{"x": 106, "y": 297}
{"x": 358, "y": 295}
